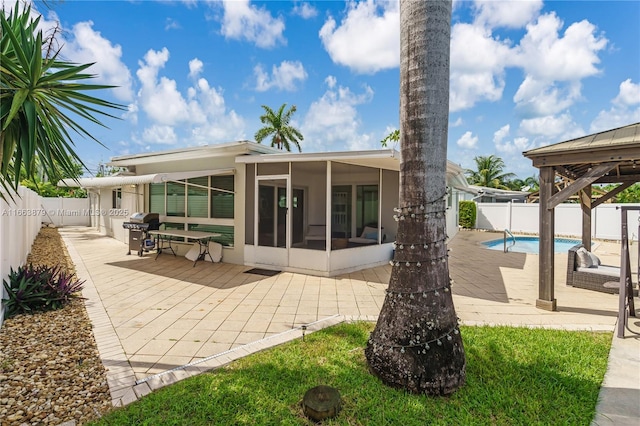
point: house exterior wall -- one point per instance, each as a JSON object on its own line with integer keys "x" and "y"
{"x": 309, "y": 176}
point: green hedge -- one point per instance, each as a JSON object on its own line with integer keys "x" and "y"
{"x": 467, "y": 214}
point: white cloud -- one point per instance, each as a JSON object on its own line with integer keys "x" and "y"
{"x": 171, "y": 24}
{"x": 613, "y": 118}
{"x": 509, "y": 14}
{"x": 87, "y": 46}
{"x": 283, "y": 77}
{"x": 195, "y": 67}
{"x": 331, "y": 81}
{"x": 366, "y": 40}
{"x": 500, "y": 134}
{"x": 164, "y": 135}
{"x": 459, "y": 122}
{"x": 547, "y": 56}
{"x": 333, "y": 120}
{"x": 539, "y": 98}
{"x": 202, "y": 114}
{"x": 305, "y": 10}
{"x": 242, "y": 21}
{"x": 554, "y": 65}
{"x": 629, "y": 93}
{"x": 159, "y": 98}
{"x": 515, "y": 147}
{"x": 467, "y": 141}
{"x": 477, "y": 66}
{"x": 625, "y": 109}
{"x": 551, "y": 128}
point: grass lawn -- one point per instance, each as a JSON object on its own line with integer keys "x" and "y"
{"x": 515, "y": 376}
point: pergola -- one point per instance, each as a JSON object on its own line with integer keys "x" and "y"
{"x": 608, "y": 157}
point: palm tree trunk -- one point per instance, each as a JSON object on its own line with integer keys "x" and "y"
{"x": 416, "y": 344}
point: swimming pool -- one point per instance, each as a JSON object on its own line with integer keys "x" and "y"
{"x": 530, "y": 244}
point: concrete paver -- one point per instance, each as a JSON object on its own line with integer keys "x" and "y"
{"x": 159, "y": 321}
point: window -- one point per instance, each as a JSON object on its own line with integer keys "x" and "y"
{"x": 156, "y": 198}
{"x": 197, "y": 197}
{"x": 222, "y": 197}
{"x": 366, "y": 206}
{"x": 226, "y": 232}
{"x": 116, "y": 198}
{"x": 204, "y": 203}
{"x": 364, "y": 212}
{"x": 175, "y": 199}
{"x": 341, "y": 211}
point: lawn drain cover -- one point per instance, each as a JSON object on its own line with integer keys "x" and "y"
{"x": 321, "y": 402}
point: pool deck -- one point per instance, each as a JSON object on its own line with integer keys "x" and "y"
{"x": 159, "y": 321}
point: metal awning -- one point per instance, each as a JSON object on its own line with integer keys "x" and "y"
{"x": 123, "y": 180}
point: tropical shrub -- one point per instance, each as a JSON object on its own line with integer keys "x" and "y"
{"x": 38, "y": 288}
{"x": 467, "y": 214}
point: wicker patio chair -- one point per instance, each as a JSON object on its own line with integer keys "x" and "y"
{"x": 589, "y": 280}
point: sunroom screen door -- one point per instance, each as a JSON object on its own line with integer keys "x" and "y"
{"x": 273, "y": 206}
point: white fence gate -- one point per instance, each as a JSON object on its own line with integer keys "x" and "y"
{"x": 524, "y": 218}
{"x": 20, "y": 222}
{"x": 67, "y": 211}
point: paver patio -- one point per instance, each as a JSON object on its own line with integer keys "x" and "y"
{"x": 156, "y": 316}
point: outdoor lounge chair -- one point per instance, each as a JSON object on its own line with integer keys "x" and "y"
{"x": 587, "y": 272}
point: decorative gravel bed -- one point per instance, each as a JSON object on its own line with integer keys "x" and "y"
{"x": 50, "y": 368}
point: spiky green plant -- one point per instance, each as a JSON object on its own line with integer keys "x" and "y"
{"x": 41, "y": 99}
{"x": 38, "y": 288}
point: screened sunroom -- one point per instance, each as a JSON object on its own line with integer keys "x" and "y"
{"x": 324, "y": 213}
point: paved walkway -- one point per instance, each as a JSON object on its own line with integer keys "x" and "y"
{"x": 159, "y": 321}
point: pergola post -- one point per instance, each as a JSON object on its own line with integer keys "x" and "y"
{"x": 546, "y": 298}
{"x": 585, "y": 204}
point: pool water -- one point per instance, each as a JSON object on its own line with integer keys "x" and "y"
{"x": 530, "y": 244}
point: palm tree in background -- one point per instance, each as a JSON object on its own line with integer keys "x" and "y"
{"x": 416, "y": 344}
{"x": 277, "y": 124}
{"x": 529, "y": 184}
{"x": 489, "y": 173}
{"x": 40, "y": 99}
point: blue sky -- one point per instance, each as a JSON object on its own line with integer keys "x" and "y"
{"x": 523, "y": 73}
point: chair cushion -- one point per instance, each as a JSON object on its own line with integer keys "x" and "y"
{"x": 595, "y": 261}
{"x": 584, "y": 260}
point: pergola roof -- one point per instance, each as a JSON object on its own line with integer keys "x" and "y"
{"x": 612, "y": 156}
{"x": 574, "y": 158}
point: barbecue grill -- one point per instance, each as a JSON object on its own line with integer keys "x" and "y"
{"x": 138, "y": 225}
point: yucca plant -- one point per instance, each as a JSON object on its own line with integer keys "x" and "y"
{"x": 38, "y": 288}
{"x": 39, "y": 95}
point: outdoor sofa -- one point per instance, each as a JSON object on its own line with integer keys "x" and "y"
{"x": 585, "y": 271}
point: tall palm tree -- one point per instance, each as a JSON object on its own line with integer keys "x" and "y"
{"x": 489, "y": 172}
{"x": 416, "y": 344}
{"x": 40, "y": 95}
{"x": 277, "y": 124}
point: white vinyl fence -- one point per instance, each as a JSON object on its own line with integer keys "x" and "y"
{"x": 20, "y": 222}
{"x": 67, "y": 211}
{"x": 524, "y": 218}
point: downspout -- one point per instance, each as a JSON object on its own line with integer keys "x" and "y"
{"x": 380, "y": 206}
{"x": 328, "y": 219}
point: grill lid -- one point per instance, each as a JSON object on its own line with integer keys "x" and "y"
{"x": 141, "y": 217}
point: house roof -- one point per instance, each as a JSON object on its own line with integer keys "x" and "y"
{"x": 116, "y": 181}
{"x": 576, "y": 157}
{"x": 500, "y": 194}
{"x": 384, "y": 159}
{"x": 388, "y": 159}
{"x": 209, "y": 151}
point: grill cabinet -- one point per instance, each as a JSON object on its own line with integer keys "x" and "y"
{"x": 138, "y": 225}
